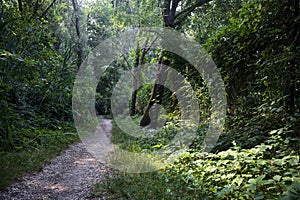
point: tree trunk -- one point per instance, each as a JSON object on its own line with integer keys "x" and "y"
{"x": 294, "y": 5}
{"x": 135, "y": 81}
{"x": 296, "y": 32}
{"x": 174, "y": 20}
{"x": 157, "y": 93}
{"x": 78, "y": 49}
{"x": 140, "y": 59}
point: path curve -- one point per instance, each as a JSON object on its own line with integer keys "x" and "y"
{"x": 69, "y": 176}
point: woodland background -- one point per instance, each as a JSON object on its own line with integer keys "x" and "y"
{"x": 254, "y": 43}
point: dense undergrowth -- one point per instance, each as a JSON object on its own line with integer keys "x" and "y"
{"x": 256, "y": 46}
{"x": 37, "y": 72}
{"x": 257, "y": 156}
{"x": 270, "y": 170}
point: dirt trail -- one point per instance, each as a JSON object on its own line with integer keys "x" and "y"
{"x": 69, "y": 176}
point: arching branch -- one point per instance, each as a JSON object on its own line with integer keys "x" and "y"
{"x": 47, "y": 9}
{"x": 181, "y": 16}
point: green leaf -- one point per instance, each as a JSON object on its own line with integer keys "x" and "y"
{"x": 238, "y": 180}
{"x": 259, "y": 195}
{"x": 277, "y": 178}
{"x": 294, "y": 161}
{"x": 266, "y": 83}
{"x": 260, "y": 178}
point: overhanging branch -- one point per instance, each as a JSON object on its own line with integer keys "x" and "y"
{"x": 183, "y": 14}
{"x": 47, "y": 9}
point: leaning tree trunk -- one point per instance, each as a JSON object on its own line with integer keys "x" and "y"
{"x": 171, "y": 19}
{"x": 157, "y": 93}
{"x": 135, "y": 81}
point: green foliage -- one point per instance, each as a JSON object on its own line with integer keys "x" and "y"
{"x": 265, "y": 171}
{"x": 293, "y": 192}
{"x": 137, "y": 186}
{"x": 99, "y": 23}
{"x": 35, "y": 78}
{"x": 143, "y": 95}
{"x": 239, "y": 173}
{"x": 257, "y": 51}
{"x": 105, "y": 88}
{"x": 257, "y": 55}
{"x": 255, "y": 45}
{"x": 155, "y": 140}
{"x": 210, "y": 18}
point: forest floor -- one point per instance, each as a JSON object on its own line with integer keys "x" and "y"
{"x": 69, "y": 176}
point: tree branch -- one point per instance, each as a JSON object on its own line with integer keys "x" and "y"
{"x": 166, "y": 11}
{"x": 36, "y": 6}
{"x": 173, "y": 11}
{"x": 47, "y": 9}
{"x": 145, "y": 51}
{"x": 183, "y": 14}
{"x": 20, "y": 5}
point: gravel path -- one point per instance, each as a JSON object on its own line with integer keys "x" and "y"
{"x": 69, "y": 176}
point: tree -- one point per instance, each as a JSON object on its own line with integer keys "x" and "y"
{"x": 295, "y": 31}
{"x": 139, "y": 60}
{"x": 257, "y": 54}
{"x": 36, "y": 74}
{"x": 172, "y": 18}
{"x": 78, "y": 29}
